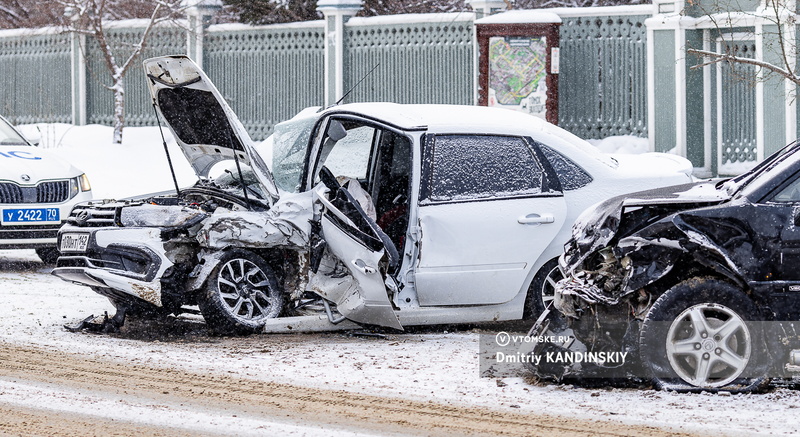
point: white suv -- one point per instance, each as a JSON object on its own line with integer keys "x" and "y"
{"x": 37, "y": 192}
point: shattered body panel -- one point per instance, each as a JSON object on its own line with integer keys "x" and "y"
{"x": 286, "y": 224}
{"x": 730, "y": 242}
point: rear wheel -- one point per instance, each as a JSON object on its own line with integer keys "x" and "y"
{"x": 48, "y": 255}
{"x": 542, "y": 289}
{"x": 241, "y": 293}
{"x": 698, "y": 336}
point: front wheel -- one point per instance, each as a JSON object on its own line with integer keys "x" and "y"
{"x": 542, "y": 289}
{"x": 698, "y": 336}
{"x": 241, "y": 293}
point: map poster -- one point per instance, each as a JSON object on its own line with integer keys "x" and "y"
{"x": 518, "y": 73}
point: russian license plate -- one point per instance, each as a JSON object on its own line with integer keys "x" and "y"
{"x": 30, "y": 215}
{"x": 74, "y": 242}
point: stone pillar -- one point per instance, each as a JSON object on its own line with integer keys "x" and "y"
{"x": 336, "y": 13}
{"x": 484, "y": 8}
{"x": 198, "y": 16}
{"x": 78, "y": 69}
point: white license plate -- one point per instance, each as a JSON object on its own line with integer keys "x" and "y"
{"x": 74, "y": 242}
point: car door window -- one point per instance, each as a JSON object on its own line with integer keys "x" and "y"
{"x": 471, "y": 167}
{"x": 348, "y": 156}
{"x": 789, "y": 194}
{"x": 571, "y": 175}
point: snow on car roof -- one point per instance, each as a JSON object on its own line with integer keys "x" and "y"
{"x": 443, "y": 117}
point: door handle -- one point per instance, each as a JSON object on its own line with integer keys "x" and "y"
{"x": 532, "y": 219}
{"x": 362, "y": 267}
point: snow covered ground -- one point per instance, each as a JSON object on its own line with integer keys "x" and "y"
{"x": 137, "y": 166}
{"x": 425, "y": 365}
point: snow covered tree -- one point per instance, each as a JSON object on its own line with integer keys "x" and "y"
{"x": 270, "y": 11}
{"x": 89, "y": 17}
{"x": 536, "y": 4}
{"x": 26, "y": 13}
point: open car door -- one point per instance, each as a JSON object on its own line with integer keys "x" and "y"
{"x": 367, "y": 253}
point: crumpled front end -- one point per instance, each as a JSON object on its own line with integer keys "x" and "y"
{"x": 623, "y": 254}
{"x": 286, "y": 224}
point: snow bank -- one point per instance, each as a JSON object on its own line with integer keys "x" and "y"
{"x": 622, "y": 144}
{"x": 137, "y": 166}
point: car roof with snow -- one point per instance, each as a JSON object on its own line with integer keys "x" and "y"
{"x": 446, "y": 117}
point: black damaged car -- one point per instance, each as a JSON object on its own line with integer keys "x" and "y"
{"x": 697, "y": 285}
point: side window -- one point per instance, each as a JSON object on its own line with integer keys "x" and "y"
{"x": 466, "y": 167}
{"x": 346, "y": 149}
{"x": 790, "y": 194}
{"x": 571, "y": 175}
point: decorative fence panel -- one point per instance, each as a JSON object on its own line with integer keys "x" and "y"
{"x": 603, "y": 79}
{"x": 138, "y": 105}
{"x": 428, "y": 60}
{"x": 267, "y": 74}
{"x": 35, "y": 74}
{"x": 738, "y": 146}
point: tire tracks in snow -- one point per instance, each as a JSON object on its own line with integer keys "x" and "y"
{"x": 240, "y": 397}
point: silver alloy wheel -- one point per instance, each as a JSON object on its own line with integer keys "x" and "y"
{"x": 245, "y": 291}
{"x": 548, "y": 290}
{"x": 708, "y": 345}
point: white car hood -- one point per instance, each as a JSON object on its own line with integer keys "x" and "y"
{"x": 27, "y": 165}
{"x": 203, "y": 124}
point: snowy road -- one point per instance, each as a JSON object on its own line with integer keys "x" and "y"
{"x": 175, "y": 379}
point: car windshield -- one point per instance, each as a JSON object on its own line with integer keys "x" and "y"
{"x": 9, "y": 136}
{"x": 761, "y": 172}
{"x": 289, "y": 143}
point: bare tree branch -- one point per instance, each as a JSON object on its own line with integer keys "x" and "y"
{"x": 725, "y": 57}
{"x": 88, "y": 17}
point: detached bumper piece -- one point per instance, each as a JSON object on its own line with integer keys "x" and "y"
{"x": 102, "y": 324}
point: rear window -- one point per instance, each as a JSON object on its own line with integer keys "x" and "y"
{"x": 571, "y": 175}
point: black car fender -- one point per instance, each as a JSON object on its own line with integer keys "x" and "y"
{"x": 655, "y": 251}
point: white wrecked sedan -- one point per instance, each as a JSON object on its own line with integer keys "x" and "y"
{"x": 368, "y": 214}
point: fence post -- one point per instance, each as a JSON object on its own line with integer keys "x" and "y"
{"x": 484, "y": 8}
{"x": 78, "y": 70}
{"x": 336, "y": 13}
{"x": 198, "y": 15}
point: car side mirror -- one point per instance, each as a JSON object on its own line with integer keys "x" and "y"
{"x": 336, "y": 131}
{"x": 797, "y": 216}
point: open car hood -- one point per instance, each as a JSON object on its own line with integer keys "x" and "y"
{"x": 203, "y": 124}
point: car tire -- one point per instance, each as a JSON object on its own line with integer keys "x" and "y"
{"x": 241, "y": 294}
{"x": 48, "y": 255}
{"x": 542, "y": 289}
{"x": 720, "y": 355}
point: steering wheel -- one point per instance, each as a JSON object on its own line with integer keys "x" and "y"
{"x": 328, "y": 179}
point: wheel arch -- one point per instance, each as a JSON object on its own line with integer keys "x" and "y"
{"x": 544, "y": 269}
